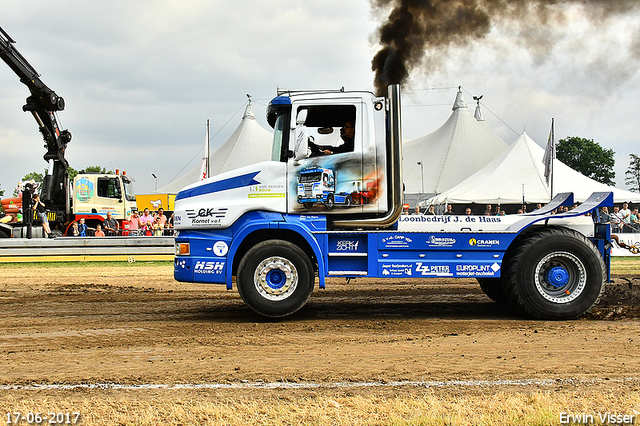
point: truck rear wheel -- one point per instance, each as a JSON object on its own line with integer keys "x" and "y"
{"x": 554, "y": 274}
{"x": 492, "y": 287}
{"x": 275, "y": 278}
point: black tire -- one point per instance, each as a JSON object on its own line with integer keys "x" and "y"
{"x": 492, "y": 287}
{"x": 347, "y": 201}
{"x": 554, "y": 274}
{"x": 329, "y": 203}
{"x": 307, "y": 205}
{"x": 275, "y": 278}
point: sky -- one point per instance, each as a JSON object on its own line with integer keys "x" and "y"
{"x": 141, "y": 78}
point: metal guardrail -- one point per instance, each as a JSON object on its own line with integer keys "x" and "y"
{"x": 86, "y": 249}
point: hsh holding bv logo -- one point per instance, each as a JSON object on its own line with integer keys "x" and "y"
{"x": 209, "y": 267}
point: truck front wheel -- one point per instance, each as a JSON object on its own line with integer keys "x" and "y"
{"x": 275, "y": 278}
{"x": 554, "y": 274}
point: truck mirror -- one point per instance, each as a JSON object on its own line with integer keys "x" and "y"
{"x": 302, "y": 144}
{"x": 302, "y": 117}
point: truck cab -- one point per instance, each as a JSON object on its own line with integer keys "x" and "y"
{"x": 93, "y": 195}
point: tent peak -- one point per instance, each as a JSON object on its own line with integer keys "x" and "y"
{"x": 248, "y": 112}
{"x": 459, "y": 103}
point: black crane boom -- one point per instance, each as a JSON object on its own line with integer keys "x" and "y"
{"x": 43, "y": 103}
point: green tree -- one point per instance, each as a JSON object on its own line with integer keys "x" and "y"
{"x": 97, "y": 169}
{"x": 72, "y": 173}
{"x": 587, "y": 157}
{"x": 34, "y": 176}
{"x": 632, "y": 175}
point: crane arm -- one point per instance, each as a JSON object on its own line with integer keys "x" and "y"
{"x": 43, "y": 103}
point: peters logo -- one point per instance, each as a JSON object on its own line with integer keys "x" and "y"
{"x": 202, "y": 267}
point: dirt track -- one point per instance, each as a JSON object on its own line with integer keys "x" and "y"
{"x": 133, "y": 324}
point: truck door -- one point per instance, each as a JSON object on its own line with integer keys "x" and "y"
{"x": 334, "y": 142}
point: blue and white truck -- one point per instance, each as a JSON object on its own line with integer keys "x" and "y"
{"x": 249, "y": 223}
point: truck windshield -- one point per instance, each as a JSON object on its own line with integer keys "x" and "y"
{"x": 310, "y": 177}
{"x": 129, "y": 194}
{"x": 280, "y": 138}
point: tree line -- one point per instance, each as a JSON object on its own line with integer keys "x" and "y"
{"x": 589, "y": 158}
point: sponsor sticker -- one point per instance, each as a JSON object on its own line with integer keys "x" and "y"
{"x": 477, "y": 270}
{"x": 396, "y": 241}
{"x": 266, "y": 191}
{"x": 435, "y": 241}
{"x": 347, "y": 245}
{"x": 220, "y": 248}
{"x": 433, "y": 270}
{"x": 397, "y": 269}
{"x": 484, "y": 242}
{"x": 208, "y": 267}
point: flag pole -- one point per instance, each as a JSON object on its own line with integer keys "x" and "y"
{"x": 553, "y": 152}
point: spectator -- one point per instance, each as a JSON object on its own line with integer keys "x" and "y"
{"x": 158, "y": 228}
{"x": 616, "y": 220}
{"x": 604, "y": 215}
{"x": 146, "y": 222}
{"x": 538, "y": 207}
{"x": 487, "y": 212}
{"x": 625, "y": 213}
{"x": 468, "y": 211}
{"x": 74, "y": 230}
{"x": 111, "y": 225}
{"x": 82, "y": 228}
{"x": 432, "y": 211}
{"x": 520, "y": 211}
{"x": 99, "y": 232}
{"x": 161, "y": 217}
{"x": 134, "y": 223}
{"x": 417, "y": 210}
{"x": 41, "y": 211}
{"x": 635, "y": 220}
{"x": 449, "y": 209}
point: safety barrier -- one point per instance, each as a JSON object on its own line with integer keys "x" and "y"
{"x": 86, "y": 249}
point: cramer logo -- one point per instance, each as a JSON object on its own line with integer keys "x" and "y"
{"x": 483, "y": 243}
{"x": 211, "y": 267}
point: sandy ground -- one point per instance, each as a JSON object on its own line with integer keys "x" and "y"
{"x": 133, "y": 324}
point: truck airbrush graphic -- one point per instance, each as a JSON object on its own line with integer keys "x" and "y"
{"x": 318, "y": 185}
{"x": 544, "y": 265}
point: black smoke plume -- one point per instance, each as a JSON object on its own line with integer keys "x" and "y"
{"x": 415, "y": 27}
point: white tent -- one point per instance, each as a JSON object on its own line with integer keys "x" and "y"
{"x": 519, "y": 170}
{"x": 459, "y": 148}
{"x": 249, "y": 144}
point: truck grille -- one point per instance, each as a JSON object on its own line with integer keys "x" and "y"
{"x": 308, "y": 190}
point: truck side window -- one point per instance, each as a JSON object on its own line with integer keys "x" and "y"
{"x": 108, "y": 188}
{"x": 331, "y": 128}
